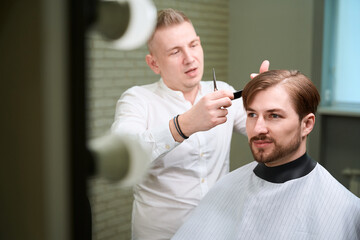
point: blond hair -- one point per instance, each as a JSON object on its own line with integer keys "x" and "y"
{"x": 165, "y": 18}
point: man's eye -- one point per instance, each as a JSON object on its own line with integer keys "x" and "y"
{"x": 174, "y": 52}
{"x": 194, "y": 45}
{"x": 274, "y": 115}
{"x": 251, "y": 115}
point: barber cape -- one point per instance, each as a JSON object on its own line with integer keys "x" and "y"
{"x": 298, "y": 200}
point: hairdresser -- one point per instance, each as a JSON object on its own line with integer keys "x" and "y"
{"x": 184, "y": 121}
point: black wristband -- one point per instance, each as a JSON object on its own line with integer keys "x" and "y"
{"x": 176, "y": 126}
{"x": 178, "y": 129}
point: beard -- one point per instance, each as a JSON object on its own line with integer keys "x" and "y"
{"x": 276, "y": 153}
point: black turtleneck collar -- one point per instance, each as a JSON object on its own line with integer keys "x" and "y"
{"x": 291, "y": 170}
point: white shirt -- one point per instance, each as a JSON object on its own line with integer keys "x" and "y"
{"x": 181, "y": 173}
{"x": 244, "y": 206}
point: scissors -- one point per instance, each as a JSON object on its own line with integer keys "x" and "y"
{"x": 236, "y": 94}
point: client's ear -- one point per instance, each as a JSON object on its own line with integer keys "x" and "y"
{"x": 307, "y": 124}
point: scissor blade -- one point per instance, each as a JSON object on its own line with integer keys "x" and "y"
{"x": 214, "y": 80}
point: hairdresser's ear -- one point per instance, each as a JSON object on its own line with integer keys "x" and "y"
{"x": 307, "y": 124}
{"x": 152, "y": 63}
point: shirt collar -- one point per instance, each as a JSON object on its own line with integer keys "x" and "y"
{"x": 174, "y": 93}
{"x": 289, "y": 171}
{"x": 169, "y": 91}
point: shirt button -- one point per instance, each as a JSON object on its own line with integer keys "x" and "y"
{"x": 201, "y": 154}
{"x": 202, "y": 180}
{"x": 167, "y": 146}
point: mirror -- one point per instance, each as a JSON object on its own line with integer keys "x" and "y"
{"x": 236, "y": 36}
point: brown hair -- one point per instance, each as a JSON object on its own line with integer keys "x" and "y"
{"x": 303, "y": 93}
{"x": 168, "y": 17}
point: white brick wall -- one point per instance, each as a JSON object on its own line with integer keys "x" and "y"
{"x": 111, "y": 72}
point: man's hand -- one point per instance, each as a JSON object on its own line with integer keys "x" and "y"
{"x": 263, "y": 68}
{"x": 209, "y": 112}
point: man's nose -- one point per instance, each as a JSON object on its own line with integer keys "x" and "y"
{"x": 188, "y": 57}
{"x": 260, "y": 126}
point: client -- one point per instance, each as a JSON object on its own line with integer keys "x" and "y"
{"x": 284, "y": 194}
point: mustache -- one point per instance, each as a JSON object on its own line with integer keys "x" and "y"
{"x": 261, "y": 138}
